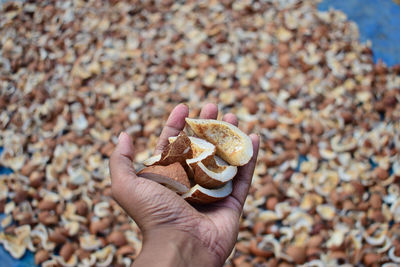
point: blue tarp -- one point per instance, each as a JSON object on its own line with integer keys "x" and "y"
{"x": 378, "y": 21}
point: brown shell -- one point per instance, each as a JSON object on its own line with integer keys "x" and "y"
{"x": 174, "y": 172}
{"x": 210, "y": 165}
{"x": 201, "y": 178}
{"x": 177, "y": 151}
{"x": 197, "y": 196}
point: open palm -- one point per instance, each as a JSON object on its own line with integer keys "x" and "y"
{"x": 156, "y": 209}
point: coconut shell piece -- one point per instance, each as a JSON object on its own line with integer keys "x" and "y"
{"x": 213, "y": 173}
{"x": 199, "y": 194}
{"x": 177, "y": 151}
{"x": 233, "y": 146}
{"x": 152, "y": 160}
{"x": 201, "y": 149}
{"x": 172, "y": 176}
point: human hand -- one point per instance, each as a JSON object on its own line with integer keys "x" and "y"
{"x": 176, "y": 233}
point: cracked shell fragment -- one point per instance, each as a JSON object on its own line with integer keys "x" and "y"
{"x": 16, "y": 244}
{"x": 199, "y": 194}
{"x": 89, "y": 242}
{"x": 213, "y": 173}
{"x": 202, "y": 149}
{"x": 173, "y": 176}
{"x": 233, "y": 145}
{"x": 177, "y": 151}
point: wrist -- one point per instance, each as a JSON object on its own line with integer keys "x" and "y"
{"x": 174, "y": 248}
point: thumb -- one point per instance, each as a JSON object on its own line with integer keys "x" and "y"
{"x": 121, "y": 165}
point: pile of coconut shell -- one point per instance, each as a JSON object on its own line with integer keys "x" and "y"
{"x": 74, "y": 74}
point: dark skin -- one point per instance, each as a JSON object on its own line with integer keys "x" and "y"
{"x": 174, "y": 232}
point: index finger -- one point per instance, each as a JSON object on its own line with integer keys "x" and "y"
{"x": 175, "y": 124}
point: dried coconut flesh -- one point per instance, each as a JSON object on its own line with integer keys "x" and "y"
{"x": 172, "y": 176}
{"x": 234, "y": 146}
{"x": 199, "y": 194}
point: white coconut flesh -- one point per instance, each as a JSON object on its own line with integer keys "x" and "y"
{"x": 221, "y": 172}
{"x": 232, "y": 144}
{"x": 215, "y": 193}
{"x": 170, "y": 183}
{"x": 154, "y": 159}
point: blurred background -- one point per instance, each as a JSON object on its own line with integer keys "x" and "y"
{"x": 319, "y": 81}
